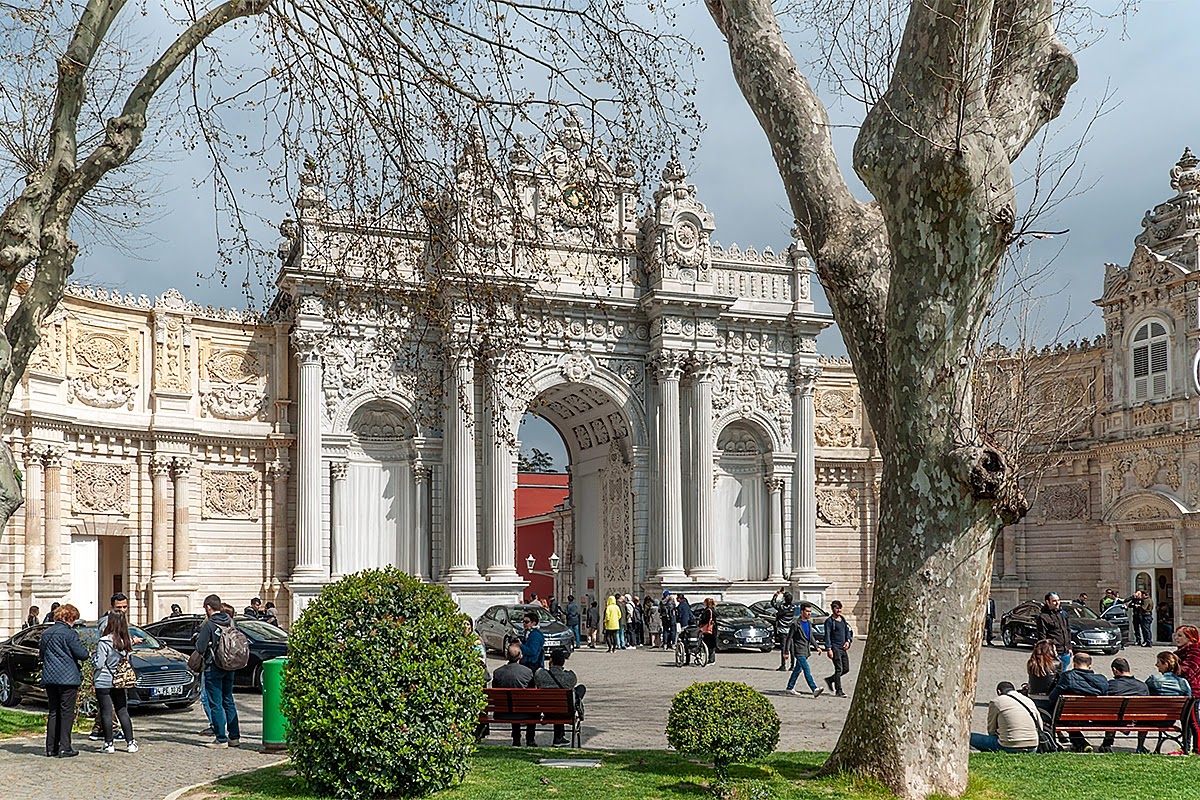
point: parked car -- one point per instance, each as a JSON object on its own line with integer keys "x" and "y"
{"x": 1118, "y": 614}
{"x": 740, "y": 628}
{"x": 765, "y": 612}
{"x": 501, "y": 622}
{"x": 1088, "y": 631}
{"x": 162, "y": 674}
{"x": 266, "y": 642}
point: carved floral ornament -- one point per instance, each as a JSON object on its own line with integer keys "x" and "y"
{"x": 576, "y": 367}
{"x": 172, "y": 352}
{"x": 102, "y": 367}
{"x": 1064, "y": 501}
{"x": 837, "y": 508}
{"x": 236, "y": 384}
{"x": 836, "y": 425}
{"x": 229, "y": 494}
{"x": 749, "y": 388}
{"x": 100, "y": 488}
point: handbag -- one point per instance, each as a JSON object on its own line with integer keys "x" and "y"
{"x": 123, "y": 675}
{"x": 196, "y": 662}
{"x": 1047, "y": 743}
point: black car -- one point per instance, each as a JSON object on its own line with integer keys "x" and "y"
{"x": 163, "y": 677}
{"x": 765, "y": 612}
{"x": 1089, "y": 632}
{"x": 499, "y": 622}
{"x": 266, "y": 642}
{"x": 740, "y": 628}
{"x": 1118, "y": 614}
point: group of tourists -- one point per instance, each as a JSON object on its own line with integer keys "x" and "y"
{"x": 219, "y": 648}
{"x": 1018, "y": 717}
{"x": 794, "y": 629}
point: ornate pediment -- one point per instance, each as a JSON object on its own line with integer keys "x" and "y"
{"x": 1172, "y": 229}
{"x": 1146, "y": 270}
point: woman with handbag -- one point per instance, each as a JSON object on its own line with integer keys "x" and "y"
{"x": 113, "y": 675}
{"x": 708, "y": 627}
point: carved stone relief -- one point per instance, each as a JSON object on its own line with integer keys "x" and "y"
{"x": 172, "y": 353}
{"x": 354, "y": 364}
{"x": 100, "y": 488}
{"x": 616, "y": 569}
{"x": 837, "y": 508}
{"x": 233, "y": 383}
{"x": 1064, "y": 501}
{"x": 836, "y": 425}
{"x": 51, "y": 350}
{"x": 1150, "y": 467}
{"x": 230, "y": 494}
{"x": 102, "y": 367}
{"x": 749, "y": 387}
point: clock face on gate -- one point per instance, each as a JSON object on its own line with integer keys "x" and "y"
{"x": 576, "y": 198}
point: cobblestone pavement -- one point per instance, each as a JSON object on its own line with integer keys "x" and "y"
{"x": 629, "y": 693}
{"x": 170, "y": 758}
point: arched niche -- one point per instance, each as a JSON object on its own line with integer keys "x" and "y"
{"x": 740, "y": 501}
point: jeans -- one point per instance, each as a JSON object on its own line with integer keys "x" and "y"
{"x": 1065, "y": 658}
{"x": 61, "y": 700}
{"x": 111, "y": 700}
{"x": 208, "y": 715}
{"x": 218, "y": 685}
{"x": 1141, "y": 629}
{"x": 669, "y": 634}
{"x": 841, "y": 665}
{"x": 801, "y": 665}
{"x": 990, "y": 744}
{"x": 575, "y": 630}
{"x": 621, "y": 637}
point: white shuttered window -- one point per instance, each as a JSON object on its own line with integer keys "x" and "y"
{"x": 1150, "y": 362}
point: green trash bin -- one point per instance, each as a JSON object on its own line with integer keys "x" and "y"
{"x": 274, "y": 724}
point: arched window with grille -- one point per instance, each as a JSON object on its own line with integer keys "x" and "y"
{"x": 1151, "y": 367}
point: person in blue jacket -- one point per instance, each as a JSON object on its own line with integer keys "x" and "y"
{"x": 61, "y": 650}
{"x": 533, "y": 647}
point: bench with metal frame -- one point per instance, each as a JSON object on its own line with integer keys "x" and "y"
{"x": 1165, "y": 715}
{"x": 534, "y": 707}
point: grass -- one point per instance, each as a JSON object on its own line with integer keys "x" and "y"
{"x": 513, "y": 774}
{"x": 20, "y": 723}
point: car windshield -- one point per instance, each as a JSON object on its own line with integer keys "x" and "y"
{"x": 90, "y": 634}
{"x": 263, "y": 631}
{"x": 517, "y": 614}
{"x": 733, "y": 611}
{"x": 1081, "y": 612}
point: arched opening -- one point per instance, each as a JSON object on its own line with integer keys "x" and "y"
{"x": 741, "y": 503}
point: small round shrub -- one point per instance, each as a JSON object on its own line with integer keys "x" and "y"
{"x": 382, "y": 689}
{"x": 725, "y": 721}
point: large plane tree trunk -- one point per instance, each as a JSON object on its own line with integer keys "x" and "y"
{"x": 909, "y": 278}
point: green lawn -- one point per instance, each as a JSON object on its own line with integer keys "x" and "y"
{"x": 20, "y": 723}
{"x": 513, "y": 774}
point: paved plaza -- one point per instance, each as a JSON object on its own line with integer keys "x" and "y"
{"x": 628, "y": 696}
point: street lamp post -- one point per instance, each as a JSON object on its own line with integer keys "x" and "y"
{"x": 531, "y": 562}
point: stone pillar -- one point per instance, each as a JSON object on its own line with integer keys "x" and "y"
{"x": 183, "y": 533}
{"x": 459, "y": 458}
{"x": 53, "y": 530}
{"x": 160, "y": 517}
{"x": 309, "y": 567}
{"x": 501, "y": 495}
{"x": 421, "y": 475}
{"x": 669, "y": 366}
{"x": 804, "y": 548}
{"x": 775, "y": 539}
{"x": 702, "y": 467}
{"x": 35, "y": 517}
{"x": 278, "y": 471}
{"x": 337, "y": 522}
{"x": 1009, "y": 542}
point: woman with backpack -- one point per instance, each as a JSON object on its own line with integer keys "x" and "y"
{"x": 110, "y": 677}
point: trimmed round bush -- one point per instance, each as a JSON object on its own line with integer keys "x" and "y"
{"x": 382, "y": 689}
{"x": 726, "y": 721}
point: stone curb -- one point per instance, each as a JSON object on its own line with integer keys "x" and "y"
{"x": 178, "y": 793}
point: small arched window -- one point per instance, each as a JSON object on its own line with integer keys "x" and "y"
{"x": 1150, "y": 362}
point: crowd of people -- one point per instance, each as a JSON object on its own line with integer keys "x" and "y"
{"x": 1018, "y": 717}
{"x": 63, "y": 652}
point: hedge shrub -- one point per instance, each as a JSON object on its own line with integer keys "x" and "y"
{"x": 382, "y": 689}
{"x": 725, "y": 721}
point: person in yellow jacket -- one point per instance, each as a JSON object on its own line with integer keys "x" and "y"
{"x": 612, "y": 622}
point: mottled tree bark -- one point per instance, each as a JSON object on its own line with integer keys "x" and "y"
{"x": 909, "y": 278}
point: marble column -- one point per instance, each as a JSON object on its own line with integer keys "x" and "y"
{"x": 53, "y": 530}
{"x": 309, "y": 567}
{"x": 278, "y": 472}
{"x": 160, "y": 517}
{"x": 35, "y": 517}
{"x": 804, "y": 513}
{"x": 337, "y": 521}
{"x": 501, "y": 495}
{"x": 669, "y": 366}
{"x": 183, "y": 530}
{"x": 775, "y": 537}
{"x": 459, "y": 458}
{"x": 1009, "y": 543}
{"x": 701, "y": 450}
{"x": 421, "y": 475}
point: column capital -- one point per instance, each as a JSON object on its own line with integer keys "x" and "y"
{"x": 160, "y": 464}
{"x": 701, "y": 366}
{"x": 338, "y": 470}
{"x": 668, "y": 364}
{"x": 36, "y": 454}
{"x": 278, "y": 471}
{"x": 53, "y": 456}
{"x": 774, "y": 484}
{"x": 181, "y": 466}
{"x": 308, "y": 344}
{"x": 804, "y": 377}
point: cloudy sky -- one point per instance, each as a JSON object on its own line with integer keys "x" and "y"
{"x": 1141, "y": 64}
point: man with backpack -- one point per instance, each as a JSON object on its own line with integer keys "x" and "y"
{"x": 226, "y": 650}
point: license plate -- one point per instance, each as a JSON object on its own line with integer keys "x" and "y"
{"x": 754, "y": 639}
{"x": 167, "y": 691}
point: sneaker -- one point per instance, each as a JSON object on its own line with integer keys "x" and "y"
{"x": 235, "y": 742}
{"x": 108, "y": 748}
{"x": 132, "y": 747}
{"x": 1104, "y": 749}
{"x": 207, "y": 732}
{"x": 1142, "y": 751}
{"x": 829, "y": 682}
{"x": 214, "y": 744}
{"x": 96, "y": 736}
{"x": 119, "y": 736}
{"x": 781, "y": 668}
{"x": 840, "y": 694}
{"x": 561, "y": 743}
{"x": 818, "y": 692}
{"x": 796, "y": 692}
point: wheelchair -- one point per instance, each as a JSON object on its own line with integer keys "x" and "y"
{"x": 690, "y": 648}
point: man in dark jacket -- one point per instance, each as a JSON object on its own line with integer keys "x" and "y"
{"x": 573, "y": 620}
{"x": 666, "y": 610}
{"x": 785, "y": 612}
{"x": 1141, "y": 607}
{"x": 593, "y": 624}
{"x": 837, "y": 646}
{"x": 1124, "y": 684}
{"x": 218, "y": 683}
{"x": 61, "y": 650}
{"x": 515, "y": 675}
{"x": 684, "y": 612}
{"x": 533, "y": 646}
{"x": 800, "y": 644}
{"x": 1079, "y": 680}
{"x": 1051, "y": 623}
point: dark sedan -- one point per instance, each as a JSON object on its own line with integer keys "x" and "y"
{"x": 1118, "y": 614}
{"x": 499, "y": 622}
{"x": 739, "y": 628}
{"x": 766, "y": 612}
{"x": 162, "y": 674}
{"x": 266, "y": 642}
{"x": 1089, "y": 632}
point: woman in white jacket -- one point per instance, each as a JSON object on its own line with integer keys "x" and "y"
{"x": 114, "y": 646}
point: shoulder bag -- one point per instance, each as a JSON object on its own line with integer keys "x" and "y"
{"x": 123, "y": 675}
{"x": 1046, "y": 741}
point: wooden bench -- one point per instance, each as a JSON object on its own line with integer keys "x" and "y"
{"x": 533, "y": 707}
{"x": 1165, "y": 716}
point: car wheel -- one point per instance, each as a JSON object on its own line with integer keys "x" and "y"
{"x": 181, "y": 706}
{"x": 256, "y": 677}
{"x": 767, "y": 649}
{"x": 8, "y": 694}
{"x": 1006, "y": 635}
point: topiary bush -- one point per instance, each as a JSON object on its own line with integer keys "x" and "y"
{"x": 725, "y": 721}
{"x": 382, "y": 689}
